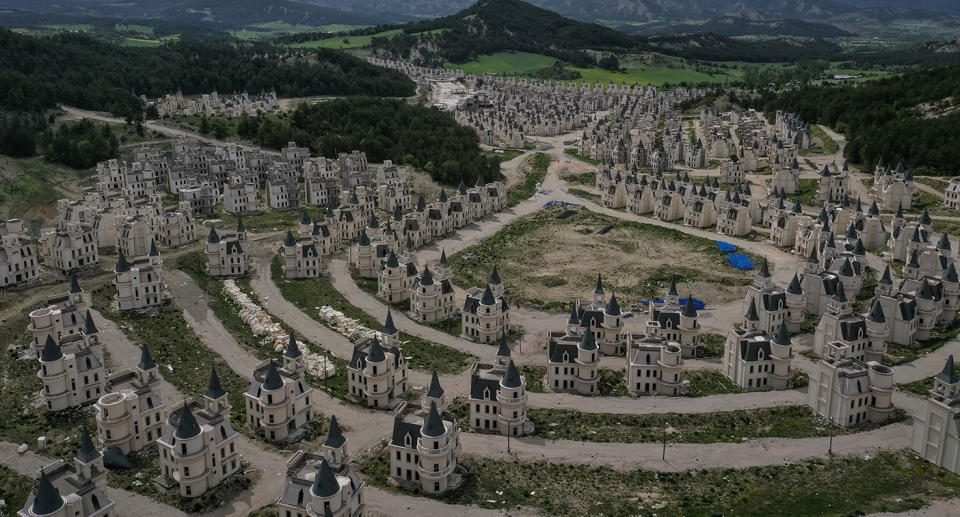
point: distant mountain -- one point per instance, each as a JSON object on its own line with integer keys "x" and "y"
{"x": 240, "y": 13}
{"x": 944, "y": 6}
{"x": 734, "y": 26}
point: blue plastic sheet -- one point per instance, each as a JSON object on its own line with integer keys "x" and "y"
{"x": 741, "y": 262}
{"x": 726, "y": 246}
{"x": 697, "y": 304}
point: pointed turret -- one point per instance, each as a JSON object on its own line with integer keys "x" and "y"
{"x": 782, "y": 337}
{"x": 487, "y": 297}
{"x": 495, "y": 276}
{"x": 122, "y": 265}
{"x": 443, "y": 258}
{"x": 375, "y": 354}
{"x": 212, "y": 237}
{"x": 74, "y": 284}
{"x": 794, "y": 287}
{"x": 153, "y": 248}
{"x": 388, "y": 327}
{"x": 511, "y": 378}
{"x": 613, "y": 308}
{"x": 574, "y": 318}
{"x": 876, "y": 312}
{"x": 289, "y": 240}
{"x": 689, "y": 309}
{"x": 426, "y": 278}
{"x": 672, "y": 291}
{"x": 305, "y": 217}
{"x": 587, "y": 341}
{"x": 325, "y": 483}
{"x": 885, "y": 278}
{"x": 751, "y": 314}
{"x": 87, "y": 452}
{"x": 214, "y": 389}
{"x": 599, "y": 288}
{"x": 764, "y": 271}
{"x": 272, "y": 380}
{"x": 335, "y": 436}
{"x": 146, "y": 360}
{"x": 949, "y": 372}
{"x": 364, "y": 238}
{"x": 503, "y": 350}
{"x": 187, "y": 427}
{"x": 46, "y": 497}
{"x": 435, "y": 391}
{"x": 51, "y": 351}
{"x": 89, "y": 327}
{"x": 293, "y": 349}
{"x": 433, "y": 425}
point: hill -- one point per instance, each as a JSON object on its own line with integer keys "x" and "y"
{"x": 736, "y": 26}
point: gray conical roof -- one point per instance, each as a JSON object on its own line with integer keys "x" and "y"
{"x": 426, "y": 278}
{"x": 487, "y": 297}
{"x": 325, "y": 483}
{"x": 783, "y": 336}
{"x": 74, "y": 284}
{"x": 949, "y": 372}
{"x": 214, "y": 389}
{"x": 375, "y": 354}
{"x": 364, "y": 238}
{"x": 511, "y": 378}
{"x": 293, "y": 349}
{"x": 122, "y": 265}
{"x": 503, "y": 350}
{"x": 751, "y": 314}
{"x": 388, "y": 326}
{"x": 240, "y": 227}
{"x": 305, "y": 218}
{"x": 613, "y": 308}
{"x": 212, "y": 237}
{"x": 689, "y": 309}
{"x": 574, "y": 318}
{"x": 89, "y": 327}
{"x": 764, "y": 270}
{"x": 950, "y": 274}
{"x": 587, "y": 341}
{"x": 272, "y": 380}
{"x": 443, "y": 258}
{"x": 874, "y": 209}
{"x": 599, "y": 288}
{"x": 87, "y": 452}
{"x": 289, "y": 240}
{"x": 146, "y": 359}
{"x": 187, "y": 427}
{"x": 876, "y": 312}
{"x": 392, "y": 260}
{"x": 495, "y": 276}
{"x": 944, "y": 243}
{"x": 885, "y": 278}
{"x": 153, "y": 249}
{"x": 335, "y": 437}
{"x": 46, "y": 497}
{"x": 433, "y": 425}
{"x": 672, "y": 291}
{"x": 51, "y": 351}
{"x": 435, "y": 391}
{"x": 794, "y": 287}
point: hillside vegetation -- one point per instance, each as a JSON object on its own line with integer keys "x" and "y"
{"x": 74, "y": 69}
{"x": 882, "y": 118}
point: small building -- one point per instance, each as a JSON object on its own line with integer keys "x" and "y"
{"x": 424, "y": 452}
{"x": 376, "y": 376}
{"x": 18, "y": 256}
{"x": 140, "y": 284}
{"x": 301, "y": 258}
{"x": 77, "y": 489}
{"x": 498, "y": 399}
{"x": 278, "y": 400}
{"x": 72, "y": 372}
{"x": 322, "y": 484}
{"x": 847, "y": 391}
{"x": 130, "y": 416}
{"x": 653, "y": 367}
{"x": 431, "y": 300}
{"x": 573, "y": 361}
{"x": 485, "y": 317}
{"x": 754, "y": 361}
{"x": 60, "y": 316}
{"x": 199, "y": 448}
{"x": 226, "y": 256}
{"x": 936, "y": 435}
{"x": 70, "y": 248}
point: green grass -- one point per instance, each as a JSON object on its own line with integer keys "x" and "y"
{"x": 923, "y": 200}
{"x": 612, "y": 383}
{"x": 589, "y": 196}
{"x": 720, "y": 427}
{"x": 536, "y": 172}
{"x": 175, "y": 345}
{"x": 709, "y": 382}
{"x": 658, "y": 76}
{"x": 310, "y": 294}
{"x": 14, "y": 488}
{"x": 806, "y": 192}
{"x": 268, "y": 221}
{"x": 827, "y": 144}
{"x": 899, "y": 354}
{"x": 572, "y": 152}
{"x": 933, "y": 182}
{"x": 519, "y": 251}
{"x": 504, "y": 155}
{"x": 140, "y": 29}
{"x": 898, "y": 481}
{"x": 76, "y": 27}
{"x": 505, "y": 63}
{"x": 148, "y": 463}
{"x": 534, "y": 377}
{"x": 345, "y": 42}
{"x": 587, "y": 178}
{"x": 710, "y": 345}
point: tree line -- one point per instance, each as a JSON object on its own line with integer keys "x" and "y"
{"x": 912, "y": 117}
{"x": 386, "y": 129}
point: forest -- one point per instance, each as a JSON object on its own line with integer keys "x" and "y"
{"x": 38, "y": 73}
{"x": 912, "y": 117}
{"x": 386, "y": 129}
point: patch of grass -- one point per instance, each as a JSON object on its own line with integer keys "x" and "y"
{"x": 612, "y": 383}
{"x": 525, "y": 251}
{"x": 821, "y": 143}
{"x": 504, "y": 155}
{"x": 453, "y": 326}
{"x": 899, "y": 354}
{"x": 311, "y": 294}
{"x": 933, "y": 182}
{"x": 371, "y": 286}
{"x": 534, "y": 376}
{"x": 270, "y": 220}
{"x": 806, "y": 192}
{"x": 900, "y": 481}
{"x": 589, "y": 196}
{"x": 709, "y": 382}
{"x": 14, "y": 488}
{"x": 184, "y": 359}
{"x": 923, "y": 200}
{"x": 146, "y": 463}
{"x": 720, "y": 427}
{"x": 587, "y": 178}
{"x": 505, "y": 63}
{"x": 940, "y": 226}
{"x": 345, "y": 42}
{"x": 572, "y": 152}
{"x": 709, "y": 345}
{"x": 528, "y": 187}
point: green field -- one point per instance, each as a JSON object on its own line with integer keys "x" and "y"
{"x": 141, "y": 29}
{"x": 82, "y": 27}
{"x": 506, "y": 63}
{"x": 344, "y": 42}
{"x": 142, "y": 42}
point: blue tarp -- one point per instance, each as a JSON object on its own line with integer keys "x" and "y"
{"x": 726, "y": 246}
{"x": 741, "y": 262}
{"x": 557, "y": 202}
{"x": 697, "y": 304}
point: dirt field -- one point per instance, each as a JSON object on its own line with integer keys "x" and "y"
{"x": 547, "y": 261}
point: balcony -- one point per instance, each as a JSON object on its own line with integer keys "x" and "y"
{"x": 439, "y": 474}
{"x": 510, "y": 401}
{"x": 424, "y": 451}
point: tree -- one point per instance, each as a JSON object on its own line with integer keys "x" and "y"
{"x": 609, "y": 62}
